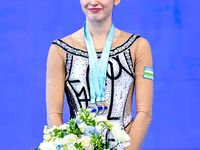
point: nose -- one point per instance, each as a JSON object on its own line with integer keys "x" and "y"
{"x": 94, "y": 2}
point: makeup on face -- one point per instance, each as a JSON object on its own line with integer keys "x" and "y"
{"x": 95, "y": 9}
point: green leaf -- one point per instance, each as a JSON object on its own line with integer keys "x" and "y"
{"x": 107, "y": 144}
{"x": 65, "y": 148}
{"x": 93, "y": 123}
{"x": 78, "y": 146}
{"x": 68, "y": 129}
{"x": 87, "y": 114}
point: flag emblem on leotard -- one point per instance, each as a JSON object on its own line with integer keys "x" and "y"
{"x": 148, "y": 73}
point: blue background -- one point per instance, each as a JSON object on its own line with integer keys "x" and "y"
{"x": 27, "y": 29}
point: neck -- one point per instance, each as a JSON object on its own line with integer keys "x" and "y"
{"x": 99, "y": 29}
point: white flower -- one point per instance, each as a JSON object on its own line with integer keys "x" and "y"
{"x": 100, "y": 118}
{"x": 125, "y": 144}
{"x": 103, "y": 139}
{"x": 63, "y": 126}
{"x": 71, "y": 147}
{"x": 54, "y": 127}
{"x": 78, "y": 140}
{"x": 82, "y": 126}
{"x": 69, "y": 139}
{"x": 85, "y": 141}
{"x": 92, "y": 115}
{"x": 89, "y": 147}
{"x": 47, "y": 137}
{"x": 47, "y": 146}
{"x": 51, "y": 129}
{"x": 46, "y": 130}
{"x": 58, "y": 141}
{"x": 99, "y": 127}
{"x": 120, "y": 135}
{"x": 89, "y": 109}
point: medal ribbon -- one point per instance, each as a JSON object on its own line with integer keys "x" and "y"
{"x": 98, "y": 69}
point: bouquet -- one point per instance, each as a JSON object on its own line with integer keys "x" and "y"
{"x": 85, "y": 132}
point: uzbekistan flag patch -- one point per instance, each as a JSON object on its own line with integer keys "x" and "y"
{"x": 148, "y": 73}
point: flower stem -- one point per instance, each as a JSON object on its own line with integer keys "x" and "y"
{"x": 114, "y": 147}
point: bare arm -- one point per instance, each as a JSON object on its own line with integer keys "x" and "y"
{"x": 55, "y": 80}
{"x": 144, "y": 94}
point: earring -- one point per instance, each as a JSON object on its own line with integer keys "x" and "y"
{"x": 115, "y": 3}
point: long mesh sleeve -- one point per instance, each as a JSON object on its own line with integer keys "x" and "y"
{"x": 144, "y": 94}
{"x": 55, "y": 80}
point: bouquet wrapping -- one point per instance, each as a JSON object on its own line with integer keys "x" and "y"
{"x": 85, "y": 132}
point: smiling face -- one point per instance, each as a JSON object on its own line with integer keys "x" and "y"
{"x": 98, "y": 10}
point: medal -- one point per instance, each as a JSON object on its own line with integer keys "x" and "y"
{"x": 106, "y": 107}
{"x": 98, "y": 71}
{"x": 93, "y": 108}
{"x": 100, "y": 106}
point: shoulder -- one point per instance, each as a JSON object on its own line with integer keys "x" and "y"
{"x": 143, "y": 46}
{"x": 58, "y": 44}
{"x": 138, "y": 40}
{"x": 140, "y": 45}
{"x": 121, "y": 38}
{"x": 123, "y": 34}
{"x": 78, "y": 36}
{"x": 143, "y": 42}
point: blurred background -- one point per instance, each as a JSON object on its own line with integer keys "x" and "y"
{"x": 27, "y": 29}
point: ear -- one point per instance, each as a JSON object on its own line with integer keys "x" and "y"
{"x": 117, "y": 2}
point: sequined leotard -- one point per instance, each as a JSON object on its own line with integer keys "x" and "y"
{"x": 68, "y": 71}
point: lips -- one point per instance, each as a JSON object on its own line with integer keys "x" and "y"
{"x": 94, "y": 9}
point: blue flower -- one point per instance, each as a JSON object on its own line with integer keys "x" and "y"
{"x": 89, "y": 130}
{"x": 59, "y": 147}
{"x": 78, "y": 121}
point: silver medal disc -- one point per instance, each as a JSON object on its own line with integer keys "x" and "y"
{"x": 93, "y": 108}
{"x": 100, "y": 107}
